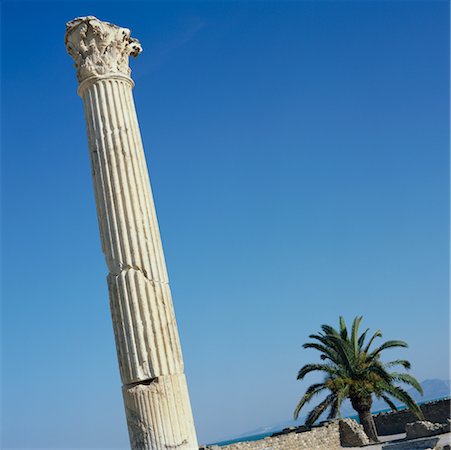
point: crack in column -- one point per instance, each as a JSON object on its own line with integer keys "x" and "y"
{"x": 124, "y": 268}
{"x": 146, "y": 382}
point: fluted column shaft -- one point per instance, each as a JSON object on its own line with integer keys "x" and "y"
{"x": 154, "y": 387}
{"x": 143, "y": 317}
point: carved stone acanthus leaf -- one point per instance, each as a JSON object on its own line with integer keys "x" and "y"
{"x": 99, "y": 48}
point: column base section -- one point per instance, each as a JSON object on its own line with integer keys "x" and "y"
{"x": 159, "y": 414}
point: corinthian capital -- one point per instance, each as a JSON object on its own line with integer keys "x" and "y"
{"x": 99, "y": 48}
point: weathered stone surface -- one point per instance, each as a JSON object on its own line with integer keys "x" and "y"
{"x": 147, "y": 342}
{"x": 424, "y": 429}
{"x": 394, "y": 422}
{"x": 99, "y": 48}
{"x": 352, "y": 434}
{"x": 157, "y": 412}
{"x": 326, "y": 437}
{"x": 144, "y": 325}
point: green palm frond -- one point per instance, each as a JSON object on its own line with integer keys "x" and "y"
{"x": 333, "y": 409}
{"x": 355, "y": 332}
{"x": 336, "y": 405}
{"x": 344, "y": 352}
{"x": 309, "y": 394}
{"x": 316, "y": 367}
{"x": 343, "y": 329}
{"x": 379, "y": 370}
{"x": 327, "y": 352}
{"x": 408, "y": 379}
{"x": 389, "y": 402}
{"x": 403, "y": 396}
{"x": 398, "y": 362}
{"x": 377, "y": 334}
{"x": 362, "y": 338}
{"x": 385, "y": 346}
{"x": 323, "y": 339}
{"x": 319, "y": 409}
{"x": 329, "y": 331}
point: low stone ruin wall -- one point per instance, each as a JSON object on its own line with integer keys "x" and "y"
{"x": 395, "y": 422}
{"x": 421, "y": 429}
{"x": 330, "y": 436}
{"x": 333, "y": 436}
{"x": 326, "y": 437}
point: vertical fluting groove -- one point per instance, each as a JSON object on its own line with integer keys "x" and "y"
{"x": 155, "y": 421}
{"x": 161, "y": 330}
{"x": 136, "y": 317}
{"x": 152, "y": 323}
{"x": 158, "y": 326}
{"x": 161, "y": 414}
{"x": 165, "y": 305}
{"x": 91, "y": 142}
{"x": 119, "y": 323}
{"x": 146, "y": 180}
{"x": 133, "y": 360}
{"x": 125, "y": 158}
{"x": 147, "y": 335}
{"x": 167, "y": 413}
{"x": 113, "y": 160}
{"x": 138, "y": 223}
{"x": 165, "y": 322}
{"x": 158, "y": 429}
{"x": 167, "y": 342}
{"x": 127, "y": 214}
{"x": 105, "y": 231}
{"x": 150, "y": 240}
{"x": 173, "y": 334}
{"x": 150, "y": 233}
{"x": 113, "y": 249}
{"x": 120, "y": 172}
{"x": 167, "y": 300}
{"x": 112, "y": 187}
{"x": 101, "y": 163}
{"x": 110, "y": 157}
{"x": 176, "y": 428}
{"x": 133, "y": 185}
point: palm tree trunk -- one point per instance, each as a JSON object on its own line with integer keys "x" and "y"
{"x": 367, "y": 421}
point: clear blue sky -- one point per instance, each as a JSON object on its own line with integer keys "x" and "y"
{"x": 299, "y": 157}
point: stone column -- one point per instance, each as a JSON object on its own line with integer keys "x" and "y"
{"x": 150, "y": 361}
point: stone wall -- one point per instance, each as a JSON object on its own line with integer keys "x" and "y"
{"x": 395, "y": 422}
{"x": 326, "y": 437}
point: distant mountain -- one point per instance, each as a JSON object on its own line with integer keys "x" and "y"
{"x": 432, "y": 389}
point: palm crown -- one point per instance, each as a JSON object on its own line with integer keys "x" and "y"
{"x": 353, "y": 370}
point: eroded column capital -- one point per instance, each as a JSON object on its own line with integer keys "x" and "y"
{"x": 99, "y": 49}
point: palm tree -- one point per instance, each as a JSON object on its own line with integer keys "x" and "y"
{"x": 353, "y": 370}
